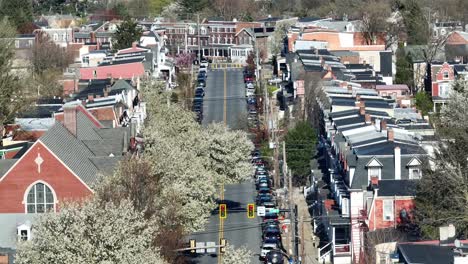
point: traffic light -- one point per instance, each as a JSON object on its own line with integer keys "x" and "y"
{"x": 193, "y": 245}
{"x": 222, "y": 211}
{"x": 222, "y": 245}
{"x": 251, "y": 210}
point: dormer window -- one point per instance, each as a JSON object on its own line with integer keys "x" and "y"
{"x": 374, "y": 169}
{"x": 446, "y": 75}
{"x": 414, "y": 169}
{"x": 24, "y": 231}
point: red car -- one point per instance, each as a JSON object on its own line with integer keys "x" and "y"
{"x": 248, "y": 78}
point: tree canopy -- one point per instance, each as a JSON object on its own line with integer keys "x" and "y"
{"x": 126, "y": 34}
{"x": 300, "y": 144}
{"x": 18, "y": 12}
{"x": 13, "y": 92}
{"x": 91, "y": 233}
{"x": 442, "y": 196}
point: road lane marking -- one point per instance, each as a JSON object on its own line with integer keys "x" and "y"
{"x": 225, "y": 97}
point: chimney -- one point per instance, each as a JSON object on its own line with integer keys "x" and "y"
{"x": 374, "y": 181}
{"x": 69, "y": 118}
{"x": 364, "y": 62}
{"x": 106, "y": 91}
{"x": 397, "y": 158}
{"x": 350, "y": 87}
{"x": 90, "y": 97}
{"x": 322, "y": 62}
{"x": 367, "y": 118}
{"x": 390, "y": 135}
{"x": 362, "y": 110}
{"x": 378, "y": 124}
{"x": 383, "y": 125}
{"x": 134, "y": 44}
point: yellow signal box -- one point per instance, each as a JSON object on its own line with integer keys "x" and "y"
{"x": 222, "y": 211}
{"x": 251, "y": 210}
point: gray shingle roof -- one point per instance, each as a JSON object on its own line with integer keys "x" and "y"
{"x": 106, "y": 165}
{"x": 5, "y": 165}
{"x": 71, "y": 151}
{"x": 86, "y": 130}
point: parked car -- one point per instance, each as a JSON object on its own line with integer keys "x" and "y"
{"x": 262, "y": 198}
{"x": 251, "y": 100}
{"x": 200, "y": 90}
{"x": 267, "y": 247}
{"x": 199, "y": 93}
{"x": 269, "y": 215}
{"x": 274, "y": 256}
{"x": 204, "y": 63}
{"x": 248, "y": 78}
{"x": 250, "y": 92}
{"x": 197, "y": 108}
{"x": 201, "y": 83}
{"x": 249, "y": 85}
{"x": 271, "y": 231}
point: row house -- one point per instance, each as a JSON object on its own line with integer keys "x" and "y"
{"x": 62, "y": 165}
{"x": 374, "y": 163}
{"x": 99, "y": 33}
{"x": 442, "y": 79}
{"x": 215, "y": 39}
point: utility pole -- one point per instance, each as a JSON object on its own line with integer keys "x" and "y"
{"x": 291, "y": 214}
{"x": 296, "y": 233}
{"x": 198, "y": 34}
{"x": 302, "y": 240}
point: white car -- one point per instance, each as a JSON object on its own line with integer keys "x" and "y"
{"x": 275, "y": 80}
{"x": 267, "y": 247}
{"x": 249, "y": 92}
{"x": 203, "y": 63}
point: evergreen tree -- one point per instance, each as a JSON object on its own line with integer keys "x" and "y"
{"x": 404, "y": 66}
{"x": 126, "y": 33}
{"x": 300, "y": 145}
{"x": 416, "y": 24}
{"x": 18, "y": 12}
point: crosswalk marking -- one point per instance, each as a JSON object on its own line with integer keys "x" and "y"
{"x": 226, "y": 65}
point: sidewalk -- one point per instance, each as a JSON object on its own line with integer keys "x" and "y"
{"x": 309, "y": 242}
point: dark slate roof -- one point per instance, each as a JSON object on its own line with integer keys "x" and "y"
{"x": 343, "y": 113}
{"x": 71, "y": 151}
{"x": 388, "y": 148}
{"x": 40, "y": 111}
{"x": 427, "y": 254}
{"x": 85, "y": 128}
{"x": 376, "y": 113}
{"x": 350, "y": 121}
{"x": 397, "y": 188}
{"x": 360, "y": 178}
{"x": 96, "y": 87}
{"x": 5, "y": 165}
{"x": 308, "y": 19}
{"x": 42, "y": 101}
{"x": 112, "y": 142}
{"x": 314, "y": 52}
{"x": 269, "y": 19}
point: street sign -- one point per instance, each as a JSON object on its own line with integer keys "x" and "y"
{"x": 192, "y": 245}
{"x": 200, "y": 250}
{"x": 261, "y": 210}
{"x": 273, "y": 211}
{"x": 222, "y": 211}
{"x": 222, "y": 245}
{"x": 211, "y": 247}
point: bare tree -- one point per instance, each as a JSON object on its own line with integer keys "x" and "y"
{"x": 374, "y": 20}
{"x": 378, "y": 237}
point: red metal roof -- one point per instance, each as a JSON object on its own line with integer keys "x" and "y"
{"x": 117, "y": 71}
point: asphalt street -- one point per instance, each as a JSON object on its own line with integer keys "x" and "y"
{"x": 225, "y": 102}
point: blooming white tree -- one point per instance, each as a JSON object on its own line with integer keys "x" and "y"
{"x": 239, "y": 255}
{"x": 91, "y": 233}
{"x": 228, "y": 152}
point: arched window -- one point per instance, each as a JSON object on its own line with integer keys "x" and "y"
{"x": 40, "y": 199}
